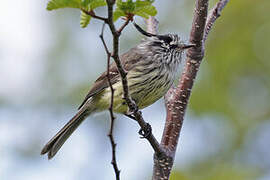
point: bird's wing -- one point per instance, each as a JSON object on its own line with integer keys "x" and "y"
{"x": 101, "y": 83}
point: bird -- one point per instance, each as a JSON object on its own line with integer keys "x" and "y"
{"x": 151, "y": 68}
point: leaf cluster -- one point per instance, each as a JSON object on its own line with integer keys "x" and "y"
{"x": 129, "y": 8}
{"x": 140, "y": 8}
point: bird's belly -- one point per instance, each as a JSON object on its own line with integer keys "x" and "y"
{"x": 104, "y": 99}
{"x": 144, "y": 91}
{"x": 150, "y": 95}
{"x": 149, "y": 88}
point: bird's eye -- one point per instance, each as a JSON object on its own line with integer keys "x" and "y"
{"x": 166, "y": 39}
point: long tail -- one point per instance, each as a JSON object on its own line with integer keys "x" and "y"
{"x": 53, "y": 146}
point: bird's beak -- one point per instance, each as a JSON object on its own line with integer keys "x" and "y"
{"x": 186, "y": 46}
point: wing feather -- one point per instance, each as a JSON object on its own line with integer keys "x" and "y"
{"x": 101, "y": 83}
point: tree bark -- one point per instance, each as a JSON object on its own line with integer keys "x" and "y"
{"x": 176, "y": 99}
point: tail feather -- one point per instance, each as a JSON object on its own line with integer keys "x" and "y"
{"x": 53, "y": 146}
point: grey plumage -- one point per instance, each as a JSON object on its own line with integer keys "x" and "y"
{"x": 151, "y": 67}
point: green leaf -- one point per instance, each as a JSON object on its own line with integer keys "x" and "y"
{"x": 146, "y": 10}
{"x": 117, "y": 14}
{"x": 126, "y": 7}
{"x": 123, "y": 8}
{"x": 118, "y": 3}
{"x": 139, "y": 7}
{"x": 86, "y": 2}
{"x": 142, "y": 14}
{"x": 85, "y": 19}
{"x": 151, "y": 10}
{"x": 92, "y": 4}
{"x": 143, "y": 3}
{"x": 56, "y": 4}
{"x": 97, "y": 3}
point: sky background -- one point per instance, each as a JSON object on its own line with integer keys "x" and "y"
{"x": 48, "y": 63}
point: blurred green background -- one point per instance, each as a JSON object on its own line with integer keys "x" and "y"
{"x": 48, "y": 63}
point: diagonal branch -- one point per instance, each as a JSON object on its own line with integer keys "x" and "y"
{"x": 176, "y": 100}
{"x": 134, "y": 112}
{"x": 151, "y": 25}
{"x": 213, "y": 15}
{"x": 133, "y": 108}
{"x": 93, "y": 14}
{"x": 128, "y": 18}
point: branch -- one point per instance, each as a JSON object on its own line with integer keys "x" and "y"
{"x": 113, "y": 144}
{"x": 176, "y": 99}
{"x": 133, "y": 108}
{"x": 128, "y": 19}
{"x": 213, "y": 15}
{"x": 152, "y": 25}
{"x": 123, "y": 26}
{"x": 134, "y": 112}
{"x": 93, "y": 15}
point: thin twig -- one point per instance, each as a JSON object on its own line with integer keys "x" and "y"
{"x": 93, "y": 14}
{"x": 123, "y": 26}
{"x": 213, "y": 15}
{"x": 108, "y": 54}
{"x": 133, "y": 108}
{"x": 110, "y": 135}
{"x": 151, "y": 25}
